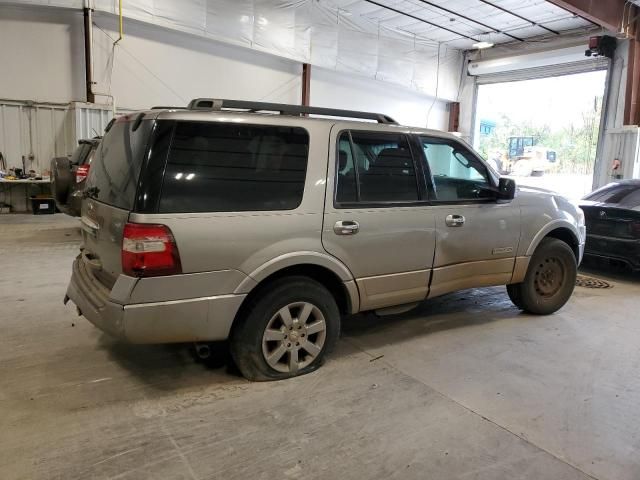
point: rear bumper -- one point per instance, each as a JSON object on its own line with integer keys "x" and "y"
{"x": 189, "y": 320}
{"x": 622, "y": 250}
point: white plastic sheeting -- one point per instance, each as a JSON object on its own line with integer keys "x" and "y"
{"x": 310, "y": 31}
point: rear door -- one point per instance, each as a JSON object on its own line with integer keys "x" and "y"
{"x": 477, "y": 237}
{"x": 376, "y": 219}
{"x": 111, "y": 188}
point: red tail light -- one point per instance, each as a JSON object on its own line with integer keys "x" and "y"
{"x": 634, "y": 229}
{"x": 149, "y": 251}
{"x": 81, "y": 173}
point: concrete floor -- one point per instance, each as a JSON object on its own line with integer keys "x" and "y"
{"x": 466, "y": 387}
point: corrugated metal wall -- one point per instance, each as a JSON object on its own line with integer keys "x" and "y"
{"x": 35, "y": 132}
{"x": 31, "y": 134}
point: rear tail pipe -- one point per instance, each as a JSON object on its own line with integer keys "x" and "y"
{"x": 203, "y": 350}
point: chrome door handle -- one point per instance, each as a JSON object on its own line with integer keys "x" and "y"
{"x": 454, "y": 220}
{"x": 346, "y": 227}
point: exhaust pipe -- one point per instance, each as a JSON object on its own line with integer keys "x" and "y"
{"x": 203, "y": 351}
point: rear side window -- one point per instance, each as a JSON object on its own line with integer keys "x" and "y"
{"x": 218, "y": 167}
{"x": 115, "y": 167}
{"x": 375, "y": 167}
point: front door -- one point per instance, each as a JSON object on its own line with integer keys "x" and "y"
{"x": 376, "y": 219}
{"x": 477, "y": 237}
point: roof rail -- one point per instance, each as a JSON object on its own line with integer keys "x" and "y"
{"x": 284, "y": 109}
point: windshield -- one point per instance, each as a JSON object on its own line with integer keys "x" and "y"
{"x": 622, "y": 194}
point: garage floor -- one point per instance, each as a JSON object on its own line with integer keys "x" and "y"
{"x": 466, "y": 387}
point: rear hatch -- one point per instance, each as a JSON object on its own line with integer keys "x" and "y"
{"x": 111, "y": 190}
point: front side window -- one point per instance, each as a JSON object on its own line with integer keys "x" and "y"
{"x": 375, "y": 167}
{"x": 457, "y": 174}
{"x": 219, "y": 167}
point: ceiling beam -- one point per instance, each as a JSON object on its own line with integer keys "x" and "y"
{"x": 400, "y": 12}
{"x": 606, "y": 13}
{"x": 535, "y": 24}
{"x": 469, "y": 19}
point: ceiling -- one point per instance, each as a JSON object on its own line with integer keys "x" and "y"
{"x": 461, "y": 23}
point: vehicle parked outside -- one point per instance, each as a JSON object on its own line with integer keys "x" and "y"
{"x": 211, "y": 223}
{"x": 69, "y": 176}
{"x": 613, "y": 223}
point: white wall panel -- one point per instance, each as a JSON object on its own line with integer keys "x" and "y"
{"x": 155, "y": 66}
{"x": 41, "y": 54}
{"x": 332, "y": 89}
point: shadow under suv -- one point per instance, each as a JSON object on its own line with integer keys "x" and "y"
{"x": 259, "y": 224}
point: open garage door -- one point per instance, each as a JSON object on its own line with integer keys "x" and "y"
{"x": 540, "y": 122}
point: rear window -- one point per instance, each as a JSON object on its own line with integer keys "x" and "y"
{"x": 115, "y": 168}
{"x": 218, "y": 167}
{"x": 80, "y": 153}
{"x": 622, "y": 194}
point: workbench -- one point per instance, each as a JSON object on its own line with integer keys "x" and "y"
{"x": 7, "y": 186}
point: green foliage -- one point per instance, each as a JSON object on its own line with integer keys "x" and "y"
{"x": 575, "y": 144}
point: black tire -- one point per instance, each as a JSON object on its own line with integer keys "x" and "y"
{"x": 514, "y": 294}
{"x": 263, "y": 311}
{"x": 61, "y": 179}
{"x": 549, "y": 281}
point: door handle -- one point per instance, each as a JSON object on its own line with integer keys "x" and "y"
{"x": 454, "y": 220}
{"x": 346, "y": 227}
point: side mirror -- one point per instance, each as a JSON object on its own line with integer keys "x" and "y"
{"x": 506, "y": 189}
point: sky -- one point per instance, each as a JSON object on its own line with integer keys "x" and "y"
{"x": 556, "y": 101}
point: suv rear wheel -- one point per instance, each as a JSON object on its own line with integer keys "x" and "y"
{"x": 549, "y": 281}
{"x": 286, "y": 330}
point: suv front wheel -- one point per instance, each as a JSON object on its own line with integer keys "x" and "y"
{"x": 549, "y": 281}
{"x": 286, "y": 330}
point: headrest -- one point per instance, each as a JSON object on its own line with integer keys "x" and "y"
{"x": 342, "y": 159}
{"x": 393, "y": 157}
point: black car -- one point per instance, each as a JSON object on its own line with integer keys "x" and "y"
{"x": 69, "y": 174}
{"x": 612, "y": 217}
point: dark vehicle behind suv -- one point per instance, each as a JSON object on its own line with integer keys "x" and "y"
{"x": 613, "y": 223}
{"x": 69, "y": 175}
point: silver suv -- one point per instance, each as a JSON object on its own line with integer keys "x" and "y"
{"x": 261, "y": 224}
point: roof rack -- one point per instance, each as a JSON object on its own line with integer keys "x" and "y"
{"x": 284, "y": 109}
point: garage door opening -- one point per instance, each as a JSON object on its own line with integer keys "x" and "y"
{"x": 543, "y": 132}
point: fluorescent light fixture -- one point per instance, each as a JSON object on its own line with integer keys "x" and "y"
{"x": 481, "y": 45}
{"x": 178, "y": 175}
{"x": 190, "y": 176}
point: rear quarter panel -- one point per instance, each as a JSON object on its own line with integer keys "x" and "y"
{"x": 246, "y": 241}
